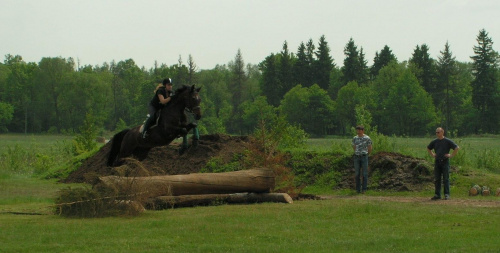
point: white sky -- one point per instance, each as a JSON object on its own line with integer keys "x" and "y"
{"x": 212, "y": 31}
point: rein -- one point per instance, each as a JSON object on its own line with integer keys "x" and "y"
{"x": 190, "y": 110}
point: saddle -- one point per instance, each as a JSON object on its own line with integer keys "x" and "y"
{"x": 155, "y": 123}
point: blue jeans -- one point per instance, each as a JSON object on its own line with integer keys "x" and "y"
{"x": 442, "y": 168}
{"x": 361, "y": 161}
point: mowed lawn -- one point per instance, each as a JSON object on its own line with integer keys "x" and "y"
{"x": 355, "y": 224}
{"x": 343, "y": 223}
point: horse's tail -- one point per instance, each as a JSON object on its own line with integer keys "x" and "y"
{"x": 115, "y": 146}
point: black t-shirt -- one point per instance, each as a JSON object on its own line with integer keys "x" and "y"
{"x": 442, "y": 147}
{"x": 155, "y": 101}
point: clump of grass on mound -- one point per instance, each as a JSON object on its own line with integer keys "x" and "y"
{"x": 88, "y": 202}
{"x": 104, "y": 200}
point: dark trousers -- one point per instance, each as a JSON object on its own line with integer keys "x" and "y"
{"x": 361, "y": 163}
{"x": 442, "y": 169}
{"x": 151, "y": 117}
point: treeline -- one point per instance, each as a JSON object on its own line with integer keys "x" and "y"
{"x": 307, "y": 88}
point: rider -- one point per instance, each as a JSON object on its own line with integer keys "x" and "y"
{"x": 163, "y": 94}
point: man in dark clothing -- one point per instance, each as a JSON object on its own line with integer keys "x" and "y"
{"x": 441, "y": 146}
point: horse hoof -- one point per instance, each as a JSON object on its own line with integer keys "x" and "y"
{"x": 195, "y": 143}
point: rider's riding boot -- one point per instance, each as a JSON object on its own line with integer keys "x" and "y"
{"x": 145, "y": 127}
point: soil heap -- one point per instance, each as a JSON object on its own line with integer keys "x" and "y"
{"x": 163, "y": 160}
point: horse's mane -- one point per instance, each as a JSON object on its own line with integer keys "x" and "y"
{"x": 181, "y": 89}
{"x": 178, "y": 92}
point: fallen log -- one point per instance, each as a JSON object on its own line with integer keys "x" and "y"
{"x": 164, "y": 202}
{"x": 475, "y": 190}
{"x": 253, "y": 180}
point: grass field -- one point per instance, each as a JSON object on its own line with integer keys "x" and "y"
{"x": 355, "y": 224}
{"x": 31, "y": 141}
{"x": 475, "y": 152}
{"x": 375, "y": 222}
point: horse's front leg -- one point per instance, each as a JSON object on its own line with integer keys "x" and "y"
{"x": 186, "y": 128}
{"x": 189, "y": 126}
{"x": 196, "y": 136}
{"x": 176, "y": 130}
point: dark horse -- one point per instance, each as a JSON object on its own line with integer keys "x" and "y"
{"x": 172, "y": 124}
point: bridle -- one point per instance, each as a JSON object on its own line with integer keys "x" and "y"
{"x": 192, "y": 109}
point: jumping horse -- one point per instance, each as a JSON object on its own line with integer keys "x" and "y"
{"x": 172, "y": 124}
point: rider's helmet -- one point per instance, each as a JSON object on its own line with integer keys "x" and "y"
{"x": 167, "y": 81}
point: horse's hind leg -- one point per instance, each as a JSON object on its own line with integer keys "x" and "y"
{"x": 125, "y": 151}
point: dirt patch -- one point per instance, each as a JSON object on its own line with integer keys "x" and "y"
{"x": 422, "y": 200}
{"x": 163, "y": 160}
{"x": 391, "y": 171}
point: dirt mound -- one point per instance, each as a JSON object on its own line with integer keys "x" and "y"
{"x": 392, "y": 171}
{"x": 163, "y": 160}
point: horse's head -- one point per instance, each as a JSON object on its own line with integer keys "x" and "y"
{"x": 193, "y": 101}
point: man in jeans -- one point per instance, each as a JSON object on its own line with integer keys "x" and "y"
{"x": 441, "y": 146}
{"x": 362, "y": 145}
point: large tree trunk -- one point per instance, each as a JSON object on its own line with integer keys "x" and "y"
{"x": 163, "y": 202}
{"x": 253, "y": 180}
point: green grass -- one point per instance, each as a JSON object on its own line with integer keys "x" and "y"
{"x": 475, "y": 152}
{"x": 31, "y": 141}
{"x": 28, "y": 195}
{"x": 354, "y": 224}
{"x": 347, "y": 222}
{"x": 33, "y": 155}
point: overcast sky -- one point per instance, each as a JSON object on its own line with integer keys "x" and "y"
{"x": 211, "y": 31}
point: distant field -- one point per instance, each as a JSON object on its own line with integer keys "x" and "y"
{"x": 473, "y": 150}
{"x": 31, "y": 141}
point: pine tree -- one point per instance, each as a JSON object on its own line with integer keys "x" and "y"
{"x": 485, "y": 86}
{"x": 285, "y": 73}
{"x": 425, "y": 67}
{"x": 270, "y": 84}
{"x": 238, "y": 79}
{"x": 381, "y": 60}
{"x": 447, "y": 71}
{"x": 311, "y": 60}
{"x": 363, "y": 68}
{"x": 323, "y": 64}
{"x": 301, "y": 66}
{"x": 192, "y": 68}
{"x": 351, "y": 62}
{"x": 237, "y": 87}
{"x": 354, "y": 68}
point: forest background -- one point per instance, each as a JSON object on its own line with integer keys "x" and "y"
{"x": 307, "y": 88}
